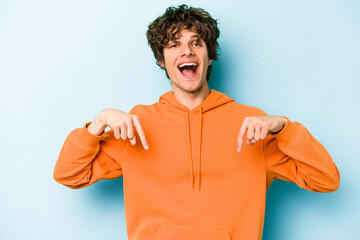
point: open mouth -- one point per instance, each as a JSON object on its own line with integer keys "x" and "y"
{"x": 188, "y": 70}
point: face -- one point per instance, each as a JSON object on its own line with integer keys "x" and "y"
{"x": 186, "y": 62}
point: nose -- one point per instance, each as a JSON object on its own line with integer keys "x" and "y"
{"x": 187, "y": 50}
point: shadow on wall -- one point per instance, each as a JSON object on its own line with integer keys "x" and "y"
{"x": 227, "y": 74}
{"x": 219, "y": 78}
{"x": 284, "y": 199}
{"x": 107, "y": 193}
{"x": 279, "y": 193}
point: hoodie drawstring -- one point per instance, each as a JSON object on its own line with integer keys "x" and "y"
{"x": 200, "y": 140}
{"x": 190, "y": 150}
{"x": 191, "y": 161}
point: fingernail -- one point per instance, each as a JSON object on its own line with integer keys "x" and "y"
{"x": 146, "y": 147}
{"x": 238, "y": 149}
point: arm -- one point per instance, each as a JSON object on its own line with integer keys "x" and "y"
{"x": 295, "y": 155}
{"x": 85, "y": 157}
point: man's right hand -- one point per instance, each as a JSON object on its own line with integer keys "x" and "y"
{"x": 122, "y": 123}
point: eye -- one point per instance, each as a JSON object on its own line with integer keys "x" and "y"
{"x": 173, "y": 45}
{"x": 197, "y": 44}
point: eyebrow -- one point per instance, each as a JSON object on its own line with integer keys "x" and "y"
{"x": 177, "y": 38}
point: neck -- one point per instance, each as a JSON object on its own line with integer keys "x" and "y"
{"x": 192, "y": 99}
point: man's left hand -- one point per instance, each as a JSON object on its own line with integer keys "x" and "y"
{"x": 259, "y": 127}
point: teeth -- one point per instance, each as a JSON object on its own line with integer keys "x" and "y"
{"x": 187, "y": 64}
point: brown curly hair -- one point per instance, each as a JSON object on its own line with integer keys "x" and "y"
{"x": 173, "y": 21}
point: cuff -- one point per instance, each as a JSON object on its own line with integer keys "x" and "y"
{"x": 88, "y": 138}
{"x": 287, "y": 133}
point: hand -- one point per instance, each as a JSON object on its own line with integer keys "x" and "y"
{"x": 259, "y": 128}
{"x": 123, "y": 125}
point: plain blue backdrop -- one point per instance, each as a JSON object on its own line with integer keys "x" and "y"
{"x": 63, "y": 61}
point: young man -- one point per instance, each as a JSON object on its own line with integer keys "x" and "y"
{"x": 198, "y": 164}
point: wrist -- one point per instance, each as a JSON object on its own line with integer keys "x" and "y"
{"x": 97, "y": 126}
{"x": 283, "y": 123}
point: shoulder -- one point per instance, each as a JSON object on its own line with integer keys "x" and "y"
{"x": 243, "y": 109}
{"x": 142, "y": 109}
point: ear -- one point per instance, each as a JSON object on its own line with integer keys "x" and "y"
{"x": 210, "y": 60}
{"x": 161, "y": 63}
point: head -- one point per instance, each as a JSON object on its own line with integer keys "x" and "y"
{"x": 169, "y": 26}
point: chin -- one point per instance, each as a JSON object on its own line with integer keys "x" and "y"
{"x": 187, "y": 84}
{"x": 192, "y": 88}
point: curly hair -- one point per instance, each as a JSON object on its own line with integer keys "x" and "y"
{"x": 173, "y": 21}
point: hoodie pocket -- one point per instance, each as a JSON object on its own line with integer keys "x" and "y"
{"x": 178, "y": 232}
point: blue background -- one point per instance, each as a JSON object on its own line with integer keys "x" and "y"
{"x": 63, "y": 61}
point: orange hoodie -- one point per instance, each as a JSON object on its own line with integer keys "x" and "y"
{"x": 192, "y": 183}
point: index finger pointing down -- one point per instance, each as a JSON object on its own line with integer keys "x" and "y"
{"x": 242, "y": 134}
{"x": 141, "y": 133}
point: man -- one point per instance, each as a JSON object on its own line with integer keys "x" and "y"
{"x": 195, "y": 165}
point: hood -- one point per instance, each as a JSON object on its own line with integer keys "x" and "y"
{"x": 214, "y": 100}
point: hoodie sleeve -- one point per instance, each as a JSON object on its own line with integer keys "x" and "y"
{"x": 295, "y": 155}
{"x": 85, "y": 158}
